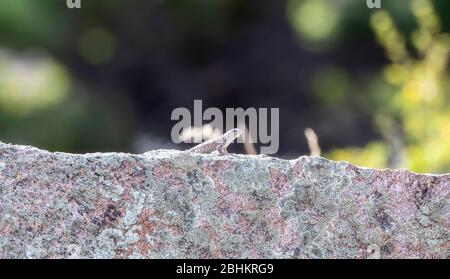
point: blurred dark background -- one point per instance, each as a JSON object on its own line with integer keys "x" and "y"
{"x": 106, "y": 77}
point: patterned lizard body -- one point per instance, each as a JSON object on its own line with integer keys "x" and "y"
{"x": 219, "y": 144}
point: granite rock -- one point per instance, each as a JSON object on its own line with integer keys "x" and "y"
{"x": 177, "y": 204}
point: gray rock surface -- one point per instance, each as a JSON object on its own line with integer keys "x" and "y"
{"x": 177, "y": 204}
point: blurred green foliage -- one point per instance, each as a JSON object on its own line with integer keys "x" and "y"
{"x": 412, "y": 111}
{"x": 41, "y": 102}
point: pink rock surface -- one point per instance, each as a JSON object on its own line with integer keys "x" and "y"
{"x": 174, "y": 204}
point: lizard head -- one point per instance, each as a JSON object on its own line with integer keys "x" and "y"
{"x": 235, "y": 133}
{"x": 231, "y": 135}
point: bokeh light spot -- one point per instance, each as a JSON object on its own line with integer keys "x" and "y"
{"x": 30, "y": 82}
{"x": 314, "y": 20}
{"x": 331, "y": 84}
{"x": 97, "y": 46}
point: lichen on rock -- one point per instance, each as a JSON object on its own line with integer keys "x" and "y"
{"x": 178, "y": 204}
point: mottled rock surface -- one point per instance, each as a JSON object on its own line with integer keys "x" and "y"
{"x": 173, "y": 204}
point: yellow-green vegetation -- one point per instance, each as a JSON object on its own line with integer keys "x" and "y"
{"x": 415, "y": 118}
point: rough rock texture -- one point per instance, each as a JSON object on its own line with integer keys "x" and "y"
{"x": 173, "y": 204}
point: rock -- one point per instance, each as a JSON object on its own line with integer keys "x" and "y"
{"x": 177, "y": 204}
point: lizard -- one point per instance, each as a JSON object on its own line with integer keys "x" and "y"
{"x": 218, "y": 144}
